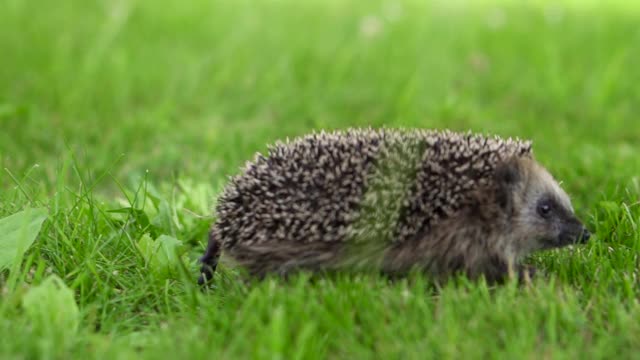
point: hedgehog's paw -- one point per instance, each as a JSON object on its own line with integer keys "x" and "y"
{"x": 206, "y": 274}
{"x": 526, "y": 273}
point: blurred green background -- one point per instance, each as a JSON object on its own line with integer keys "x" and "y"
{"x": 197, "y": 87}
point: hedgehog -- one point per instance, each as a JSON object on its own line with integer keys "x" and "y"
{"x": 393, "y": 200}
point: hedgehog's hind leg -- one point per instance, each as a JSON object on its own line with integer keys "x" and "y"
{"x": 209, "y": 260}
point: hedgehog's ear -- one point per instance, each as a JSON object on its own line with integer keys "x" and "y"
{"x": 508, "y": 173}
{"x": 507, "y": 176}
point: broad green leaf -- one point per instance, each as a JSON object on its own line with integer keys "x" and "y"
{"x": 146, "y": 245}
{"x": 53, "y": 312}
{"x": 166, "y": 219}
{"x": 17, "y": 233}
{"x": 161, "y": 254}
{"x": 168, "y": 247}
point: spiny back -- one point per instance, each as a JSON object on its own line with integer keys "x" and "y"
{"x": 357, "y": 185}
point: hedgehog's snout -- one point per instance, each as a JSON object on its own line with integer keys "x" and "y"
{"x": 575, "y": 233}
{"x": 586, "y": 235}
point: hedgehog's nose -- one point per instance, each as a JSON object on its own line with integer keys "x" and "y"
{"x": 585, "y": 235}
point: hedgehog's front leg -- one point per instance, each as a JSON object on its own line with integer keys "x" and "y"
{"x": 496, "y": 270}
{"x": 209, "y": 260}
{"x": 526, "y": 273}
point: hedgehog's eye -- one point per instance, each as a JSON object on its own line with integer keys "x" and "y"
{"x": 544, "y": 209}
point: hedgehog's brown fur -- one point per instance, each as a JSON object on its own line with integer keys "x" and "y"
{"x": 390, "y": 199}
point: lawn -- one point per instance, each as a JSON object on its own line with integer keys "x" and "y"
{"x": 123, "y": 119}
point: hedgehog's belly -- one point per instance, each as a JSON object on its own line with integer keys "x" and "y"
{"x": 284, "y": 258}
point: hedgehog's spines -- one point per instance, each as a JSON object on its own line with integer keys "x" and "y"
{"x": 314, "y": 162}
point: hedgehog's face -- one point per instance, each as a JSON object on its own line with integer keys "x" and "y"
{"x": 542, "y": 216}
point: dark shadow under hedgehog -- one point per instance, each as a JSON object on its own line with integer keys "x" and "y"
{"x": 392, "y": 200}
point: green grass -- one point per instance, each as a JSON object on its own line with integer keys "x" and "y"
{"x": 148, "y": 106}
